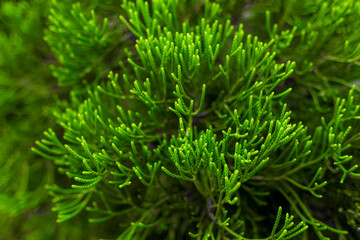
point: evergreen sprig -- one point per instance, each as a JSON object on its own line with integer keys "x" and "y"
{"x": 215, "y": 117}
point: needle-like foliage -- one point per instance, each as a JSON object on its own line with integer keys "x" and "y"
{"x": 204, "y": 119}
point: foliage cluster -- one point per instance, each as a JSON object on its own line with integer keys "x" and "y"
{"x": 169, "y": 119}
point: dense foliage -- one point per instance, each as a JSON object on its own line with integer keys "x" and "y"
{"x": 169, "y": 119}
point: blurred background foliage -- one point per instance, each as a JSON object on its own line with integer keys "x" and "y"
{"x": 27, "y": 90}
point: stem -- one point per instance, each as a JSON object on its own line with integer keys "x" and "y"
{"x": 298, "y": 168}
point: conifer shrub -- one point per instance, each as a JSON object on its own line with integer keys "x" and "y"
{"x": 169, "y": 119}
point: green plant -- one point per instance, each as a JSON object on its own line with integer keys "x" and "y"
{"x": 211, "y": 122}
